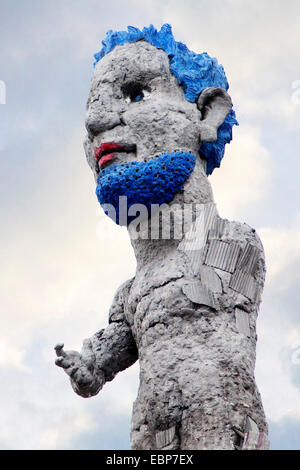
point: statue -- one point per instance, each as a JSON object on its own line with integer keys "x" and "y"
{"x": 158, "y": 118}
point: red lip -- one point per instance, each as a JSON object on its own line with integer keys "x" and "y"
{"x": 106, "y": 147}
{"x": 105, "y": 153}
{"x": 107, "y": 158}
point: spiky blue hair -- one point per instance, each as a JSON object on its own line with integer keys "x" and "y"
{"x": 194, "y": 72}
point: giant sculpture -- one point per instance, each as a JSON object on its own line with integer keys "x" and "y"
{"x": 158, "y": 118}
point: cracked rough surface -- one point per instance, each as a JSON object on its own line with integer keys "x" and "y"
{"x": 189, "y": 314}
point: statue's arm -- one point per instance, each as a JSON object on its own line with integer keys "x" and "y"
{"x": 106, "y": 353}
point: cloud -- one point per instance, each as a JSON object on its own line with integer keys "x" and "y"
{"x": 284, "y": 434}
{"x": 63, "y": 267}
{"x": 58, "y": 283}
{"x": 251, "y": 41}
{"x": 42, "y": 411}
{"x": 278, "y": 324}
{"x": 283, "y": 253}
{"x": 12, "y": 355}
{"x": 245, "y": 176}
{"x": 62, "y": 261}
{"x": 281, "y": 398}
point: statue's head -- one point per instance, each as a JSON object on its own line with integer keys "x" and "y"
{"x": 154, "y": 110}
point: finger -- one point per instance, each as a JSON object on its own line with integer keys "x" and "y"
{"x": 70, "y": 369}
{"x": 59, "y": 350}
{"x": 62, "y": 362}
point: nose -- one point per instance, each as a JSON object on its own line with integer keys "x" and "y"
{"x": 102, "y": 114}
{"x": 97, "y": 123}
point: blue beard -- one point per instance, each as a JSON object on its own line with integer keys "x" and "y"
{"x": 155, "y": 181}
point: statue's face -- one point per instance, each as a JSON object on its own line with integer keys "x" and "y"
{"x": 137, "y": 119}
{"x": 136, "y": 102}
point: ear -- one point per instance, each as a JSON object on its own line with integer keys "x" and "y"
{"x": 214, "y": 104}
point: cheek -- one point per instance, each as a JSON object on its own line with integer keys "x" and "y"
{"x": 182, "y": 124}
{"x": 163, "y": 123}
{"x": 145, "y": 114}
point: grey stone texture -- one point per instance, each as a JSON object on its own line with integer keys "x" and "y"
{"x": 189, "y": 314}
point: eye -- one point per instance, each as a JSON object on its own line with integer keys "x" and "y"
{"x": 135, "y": 92}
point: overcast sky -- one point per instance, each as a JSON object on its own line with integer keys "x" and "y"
{"x": 62, "y": 260}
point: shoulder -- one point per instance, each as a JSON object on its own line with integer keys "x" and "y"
{"x": 236, "y": 248}
{"x": 238, "y": 232}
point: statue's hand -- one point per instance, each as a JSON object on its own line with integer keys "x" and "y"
{"x": 85, "y": 380}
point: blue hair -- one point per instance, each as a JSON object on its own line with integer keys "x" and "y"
{"x": 194, "y": 72}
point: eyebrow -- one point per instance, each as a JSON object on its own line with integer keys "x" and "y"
{"x": 140, "y": 77}
{"x": 126, "y": 70}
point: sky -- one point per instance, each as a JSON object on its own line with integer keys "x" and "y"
{"x": 62, "y": 259}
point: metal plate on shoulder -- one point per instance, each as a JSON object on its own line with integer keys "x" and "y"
{"x": 198, "y": 293}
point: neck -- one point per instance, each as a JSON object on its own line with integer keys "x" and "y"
{"x": 160, "y": 234}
